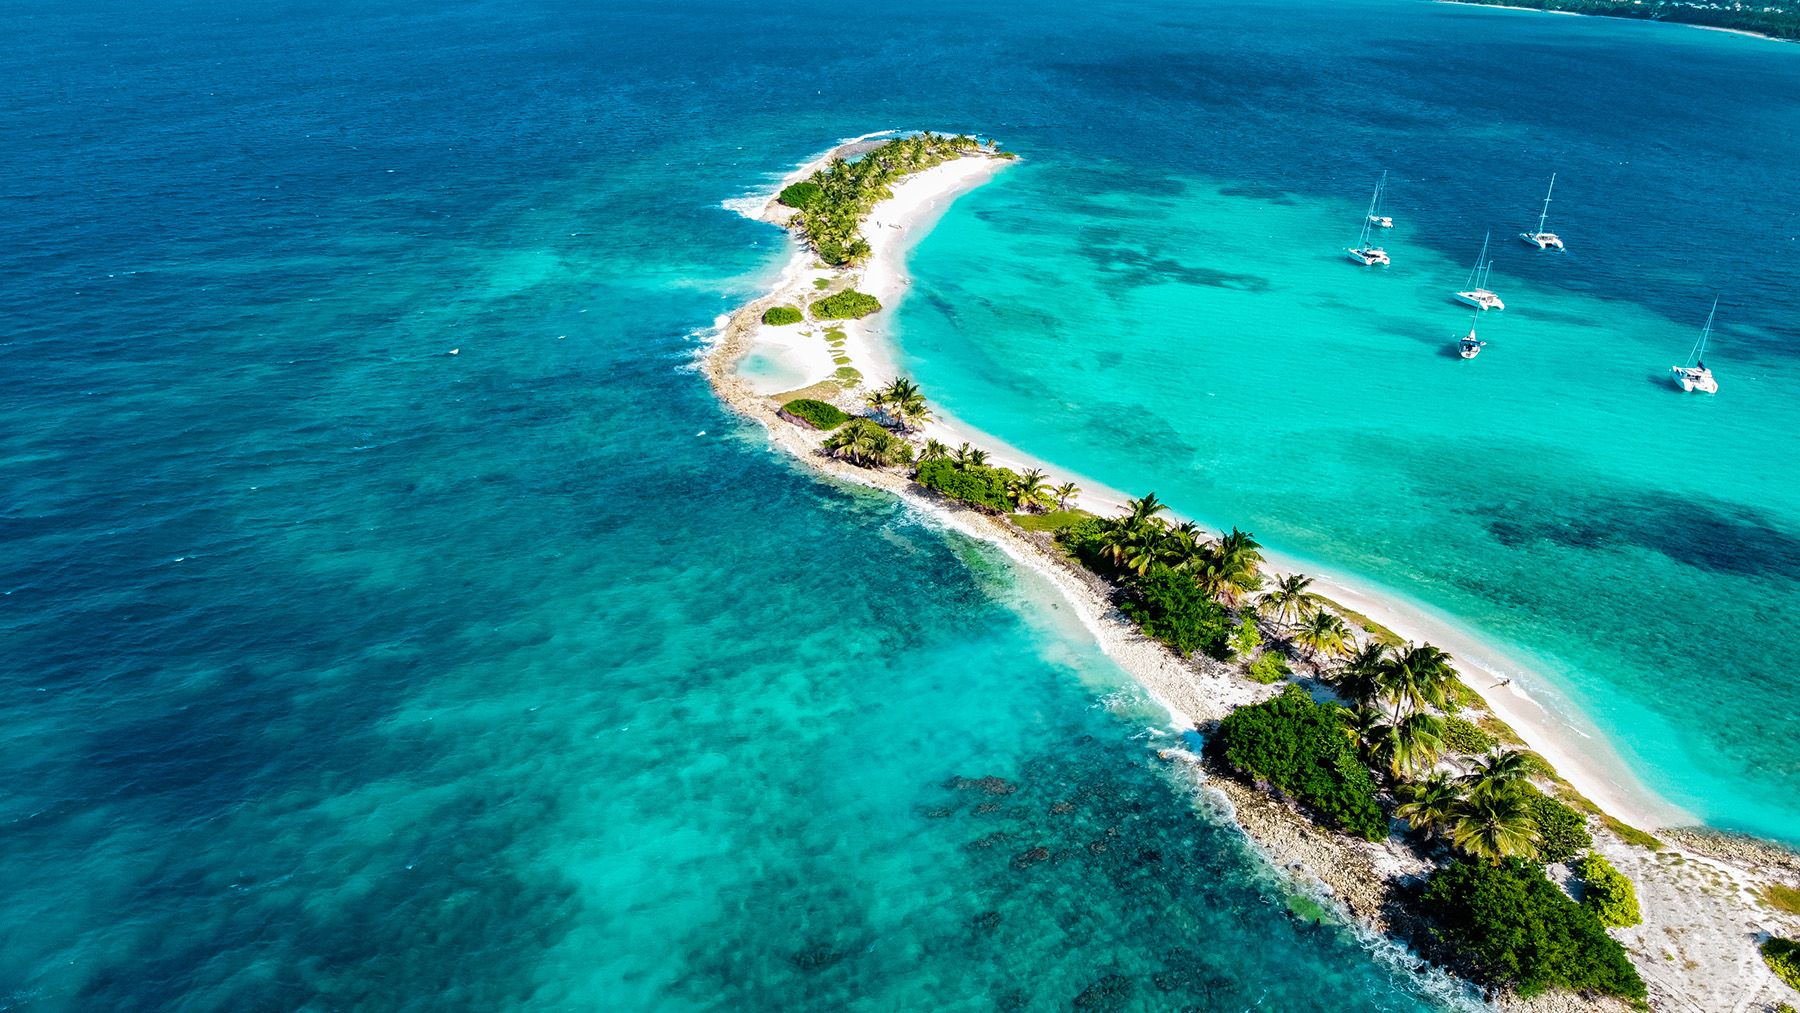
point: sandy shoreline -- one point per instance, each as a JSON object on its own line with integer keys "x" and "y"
{"x": 1609, "y": 17}
{"x": 1708, "y": 940}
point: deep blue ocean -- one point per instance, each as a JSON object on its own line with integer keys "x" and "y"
{"x": 346, "y": 673}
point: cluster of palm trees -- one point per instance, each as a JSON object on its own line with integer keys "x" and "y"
{"x": 1486, "y": 813}
{"x": 1292, "y": 606}
{"x": 1031, "y": 492}
{"x": 864, "y": 443}
{"x": 1227, "y": 567}
{"x": 901, "y": 401}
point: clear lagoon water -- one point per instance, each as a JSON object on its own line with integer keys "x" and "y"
{"x": 343, "y": 672}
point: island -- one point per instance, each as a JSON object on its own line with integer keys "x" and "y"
{"x": 1356, "y": 761}
{"x": 1779, "y": 20}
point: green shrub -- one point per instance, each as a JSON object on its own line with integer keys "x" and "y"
{"x": 818, "y": 414}
{"x": 1056, "y": 521}
{"x": 1467, "y": 737}
{"x": 1269, "y": 668}
{"x": 1506, "y": 925}
{"x": 1562, "y": 832}
{"x": 846, "y": 305}
{"x": 781, "y": 316}
{"x": 1170, "y": 607}
{"x": 1245, "y": 637}
{"x": 978, "y": 485}
{"x": 1084, "y": 540}
{"x": 801, "y": 195}
{"x": 1783, "y": 957}
{"x": 1606, "y": 892}
{"x": 1300, "y": 747}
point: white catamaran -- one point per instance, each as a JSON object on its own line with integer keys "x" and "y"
{"x": 1366, "y": 252}
{"x": 1376, "y": 218}
{"x": 1695, "y": 376}
{"x": 1478, "y": 295}
{"x": 1541, "y": 239}
{"x": 1470, "y": 346}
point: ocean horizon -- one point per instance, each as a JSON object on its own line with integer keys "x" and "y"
{"x": 395, "y": 620}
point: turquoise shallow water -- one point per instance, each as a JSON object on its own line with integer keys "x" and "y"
{"x": 1185, "y": 321}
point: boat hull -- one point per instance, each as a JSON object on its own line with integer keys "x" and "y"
{"x": 1541, "y": 240}
{"x": 1368, "y": 256}
{"x": 1481, "y": 300}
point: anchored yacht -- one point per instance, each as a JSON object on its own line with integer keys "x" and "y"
{"x": 1478, "y": 294}
{"x": 1695, "y": 376}
{"x": 1365, "y": 252}
{"x": 1541, "y": 239}
{"x": 1376, "y": 218}
{"x": 1470, "y": 346}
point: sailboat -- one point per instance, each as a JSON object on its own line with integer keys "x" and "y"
{"x": 1366, "y": 252}
{"x": 1695, "y": 376}
{"x": 1470, "y": 346}
{"x": 1376, "y": 218}
{"x": 1478, "y": 295}
{"x": 1541, "y": 239}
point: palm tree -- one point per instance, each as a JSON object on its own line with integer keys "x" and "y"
{"x": 969, "y": 457}
{"x": 1324, "y": 634}
{"x": 1411, "y": 744}
{"x": 1290, "y": 601}
{"x": 934, "y": 451}
{"x": 1029, "y": 491}
{"x": 1359, "y": 679}
{"x": 1366, "y": 726}
{"x": 1430, "y": 805}
{"x": 867, "y": 445}
{"x": 1145, "y": 510}
{"x": 1064, "y": 493}
{"x": 902, "y": 400}
{"x": 1494, "y": 826}
{"x": 1500, "y": 773}
{"x": 1417, "y": 676}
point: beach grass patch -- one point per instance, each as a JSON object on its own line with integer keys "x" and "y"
{"x": 821, "y": 283}
{"x": 1054, "y": 521}
{"x": 1499, "y": 730}
{"x": 1630, "y": 834}
{"x": 1782, "y": 897}
{"x": 817, "y": 414}
{"x": 839, "y": 360}
{"x": 1465, "y": 696}
{"x": 846, "y": 305}
{"x": 1377, "y": 632}
{"x": 781, "y": 316}
{"x": 849, "y": 376}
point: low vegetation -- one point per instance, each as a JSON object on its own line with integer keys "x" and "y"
{"x": 1783, "y": 957}
{"x": 1562, "y": 832}
{"x": 801, "y": 195}
{"x": 1467, "y": 737}
{"x": 1505, "y": 924}
{"x": 1782, "y": 897}
{"x": 781, "y": 316}
{"x": 1171, "y": 608}
{"x": 976, "y": 485}
{"x": 1606, "y": 892}
{"x": 817, "y": 414}
{"x": 846, "y": 305}
{"x": 1268, "y": 668}
{"x": 1299, "y": 747}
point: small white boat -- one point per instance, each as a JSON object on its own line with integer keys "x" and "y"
{"x": 1695, "y": 376}
{"x": 1478, "y": 294}
{"x": 1541, "y": 239}
{"x": 1365, "y": 252}
{"x": 1470, "y": 346}
{"x": 1376, "y": 218}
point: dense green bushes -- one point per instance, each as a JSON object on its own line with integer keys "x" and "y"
{"x": 1269, "y": 668}
{"x": 1507, "y": 925}
{"x": 781, "y": 316}
{"x": 818, "y": 414}
{"x": 1467, "y": 737}
{"x": 1562, "y": 832}
{"x": 1606, "y": 892}
{"x": 846, "y": 305}
{"x": 976, "y": 485}
{"x": 1170, "y": 607}
{"x": 801, "y": 195}
{"x": 1783, "y": 957}
{"x": 1300, "y": 747}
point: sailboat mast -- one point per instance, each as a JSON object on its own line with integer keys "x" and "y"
{"x": 1546, "y": 212}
